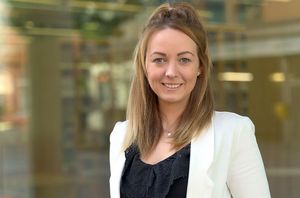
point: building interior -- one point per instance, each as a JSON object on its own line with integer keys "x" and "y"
{"x": 65, "y": 71}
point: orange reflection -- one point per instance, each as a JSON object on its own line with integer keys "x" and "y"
{"x": 12, "y": 61}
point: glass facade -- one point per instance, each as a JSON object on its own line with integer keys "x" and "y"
{"x": 65, "y": 68}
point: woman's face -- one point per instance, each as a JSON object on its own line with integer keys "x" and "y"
{"x": 172, "y": 65}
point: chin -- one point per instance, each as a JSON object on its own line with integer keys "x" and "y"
{"x": 171, "y": 100}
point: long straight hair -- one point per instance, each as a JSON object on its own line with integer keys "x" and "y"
{"x": 144, "y": 119}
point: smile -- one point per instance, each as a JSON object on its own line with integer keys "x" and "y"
{"x": 172, "y": 85}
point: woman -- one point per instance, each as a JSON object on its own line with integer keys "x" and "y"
{"x": 174, "y": 144}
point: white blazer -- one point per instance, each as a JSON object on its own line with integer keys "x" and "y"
{"x": 224, "y": 161}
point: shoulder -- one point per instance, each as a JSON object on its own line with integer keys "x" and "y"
{"x": 232, "y": 126}
{"x": 231, "y": 120}
{"x": 119, "y": 131}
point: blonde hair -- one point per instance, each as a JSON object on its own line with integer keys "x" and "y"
{"x": 144, "y": 119}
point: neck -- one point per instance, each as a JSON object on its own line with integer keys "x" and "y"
{"x": 170, "y": 114}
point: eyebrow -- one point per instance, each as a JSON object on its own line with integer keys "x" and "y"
{"x": 158, "y": 53}
{"x": 179, "y": 54}
{"x": 185, "y": 52}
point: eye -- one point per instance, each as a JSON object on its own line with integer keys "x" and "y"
{"x": 184, "y": 60}
{"x": 158, "y": 60}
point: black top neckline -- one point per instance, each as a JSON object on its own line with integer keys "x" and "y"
{"x": 170, "y": 157}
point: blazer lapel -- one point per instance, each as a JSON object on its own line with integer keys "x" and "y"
{"x": 202, "y": 153}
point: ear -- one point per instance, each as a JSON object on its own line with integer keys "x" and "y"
{"x": 199, "y": 72}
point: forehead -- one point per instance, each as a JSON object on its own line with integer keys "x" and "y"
{"x": 170, "y": 40}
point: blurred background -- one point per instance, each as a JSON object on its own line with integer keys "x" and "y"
{"x": 65, "y": 68}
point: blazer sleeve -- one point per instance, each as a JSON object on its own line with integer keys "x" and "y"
{"x": 116, "y": 158}
{"x": 247, "y": 177}
{"x": 116, "y": 141}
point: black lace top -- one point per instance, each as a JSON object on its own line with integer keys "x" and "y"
{"x": 166, "y": 179}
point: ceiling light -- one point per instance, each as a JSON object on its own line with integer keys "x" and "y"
{"x": 277, "y": 77}
{"x": 235, "y": 76}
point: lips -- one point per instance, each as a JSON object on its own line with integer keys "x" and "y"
{"x": 172, "y": 85}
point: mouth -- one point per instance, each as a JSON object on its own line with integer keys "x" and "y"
{"x": 172, "y": 85}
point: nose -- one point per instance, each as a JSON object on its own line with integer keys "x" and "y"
{"x": 171, "y": 70}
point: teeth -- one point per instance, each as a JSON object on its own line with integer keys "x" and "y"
{"x": 172, "y": 86}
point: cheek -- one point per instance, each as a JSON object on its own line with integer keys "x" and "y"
{"x": 153, "y": 81}
{"x": 152, "y": 78}
{"x": 193, "y": 74}
{"x": 153, "y": 73}
{"x": 192, "y": 80}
